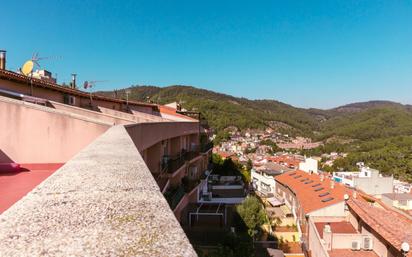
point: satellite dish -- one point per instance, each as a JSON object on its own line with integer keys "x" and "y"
{"x": 27, "y": 67}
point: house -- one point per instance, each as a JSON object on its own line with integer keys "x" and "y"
{"x": 400, "y": 201}
{"x": 368, "y": 180}
{"x": 308, "y": 195}
{"x": 310, "y": 165}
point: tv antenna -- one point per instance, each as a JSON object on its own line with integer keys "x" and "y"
{"x": 88, "y": 85}
{"x": 92, "y": 83}
{"x": 28, "y": 66}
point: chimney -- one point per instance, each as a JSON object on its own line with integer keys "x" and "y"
{"x": 332, "y": 184}
{"x": 73, "y": 84}
{"x": 2, "y": 59}
{"x": 327, "y": 236}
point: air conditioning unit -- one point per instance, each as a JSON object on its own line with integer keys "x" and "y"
{"x": 356, "y": 246}
{"x": 367, "y": 243}
{"x": 69, "y": 99}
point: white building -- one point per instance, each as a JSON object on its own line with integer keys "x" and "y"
{"x": 263, "y": 182}
{"x": 400, "y": 201}
{"x": 310, "y": 165}
{"x": 43, "y": 75}
{"x": 368, "y": 180}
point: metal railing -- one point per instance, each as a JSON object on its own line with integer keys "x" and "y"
{"x": 174, "y": 195}
{"x": 170, "y": 164}
{"x": 206, "y": 147}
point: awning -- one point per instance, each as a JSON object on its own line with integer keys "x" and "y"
{"x": 274, "y": 201}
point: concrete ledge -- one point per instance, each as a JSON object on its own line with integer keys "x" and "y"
{"x": 103, "y": 202}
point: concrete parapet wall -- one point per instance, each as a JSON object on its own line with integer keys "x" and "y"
{"x": 103, "y": 202}
{"x": 144, "y": 135}
{"x": 32, "y": 133}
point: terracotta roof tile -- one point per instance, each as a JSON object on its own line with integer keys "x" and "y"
{"x": 311, "y": 191}
{"x": 172, "y": 111}
{"x": 341, "y": 227}
{"x": 392, "y": 226}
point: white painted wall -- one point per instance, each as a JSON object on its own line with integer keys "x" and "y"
{"x": 309, "y": 165}
{"x": 260, "y": 179}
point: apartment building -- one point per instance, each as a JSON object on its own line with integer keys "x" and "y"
{"x": 335, "y": 221}
{"x": 109, "y": 173}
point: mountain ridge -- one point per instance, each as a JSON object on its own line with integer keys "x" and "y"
{"x": 359, "y": 120}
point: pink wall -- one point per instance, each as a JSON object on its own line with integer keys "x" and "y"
{"x": 36, "y": 134}
{"x": 190, "y": 197}
{"x": 315, "y": 246}
{"x": 112, "y": 119}
{"x": 136, "y": 116}
{"x": 145, "y": 135}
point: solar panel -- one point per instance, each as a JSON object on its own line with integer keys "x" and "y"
{"x": 315, "y": 185}
{"x": 324, "y": 194}
{"x": 328, "y": 199}
{"x": 318, "y": 189}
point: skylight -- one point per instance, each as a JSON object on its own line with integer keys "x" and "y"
{"x": 318, "y": 189}
{"x": 315, "y": 185}
{"x": 293, "y": 173}
{"x": 328, "y": 199}
{"x": 308, "y": 182}
{"x": 324, "y": 194}
{"x": 298, "y": 176}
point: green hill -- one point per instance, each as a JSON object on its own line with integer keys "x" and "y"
{"x": 223, "y": 111}
{"x": 364, "y": 121}
{"x": 378, "y": 133}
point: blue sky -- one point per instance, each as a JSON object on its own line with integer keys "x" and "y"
{"x": 305, "y": 53}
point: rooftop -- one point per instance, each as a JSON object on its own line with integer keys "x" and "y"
{"x": 394, "y": 196}
{"x": 312, "y": 191}
{"x": 341, "y": 227}
{"x": 102, "y": 202}
{"x": 350, "y": 253}
{"x": 15, "y": 185}
{"x": 390, "y": 225}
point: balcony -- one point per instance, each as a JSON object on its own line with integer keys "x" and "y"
{"x": 204, "y": 148}
{"x": 174, "y": 195}
{"x": 171, "y": 164}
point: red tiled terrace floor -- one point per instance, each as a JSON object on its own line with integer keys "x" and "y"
{"x": 342, "y": 227}
{"x": 13, "y": 186}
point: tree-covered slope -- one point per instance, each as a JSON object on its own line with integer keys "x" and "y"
{"x": 363, "y": 121}
{"x": 223, "y": 111}
{"x": 370, "y": 123}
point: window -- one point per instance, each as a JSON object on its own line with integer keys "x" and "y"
{"x": 324, "y": 194}
{"x": 265, "y": 187}
{"x": 403, "y": 202}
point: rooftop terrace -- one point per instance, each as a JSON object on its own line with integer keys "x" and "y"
{"x": 102, "y": 202}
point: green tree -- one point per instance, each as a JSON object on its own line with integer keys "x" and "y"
{"x": 253, "y": 214}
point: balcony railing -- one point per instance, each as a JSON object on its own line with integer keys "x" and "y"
{"x": 170, "y": 164}
{"x": 174, "y": 195}
{"x": 206, "y": 147}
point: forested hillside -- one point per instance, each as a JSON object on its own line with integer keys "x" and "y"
{"x": 364, "y": 121}
{"x": 223, "y": 110}
{"x": 378, "y": 133}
